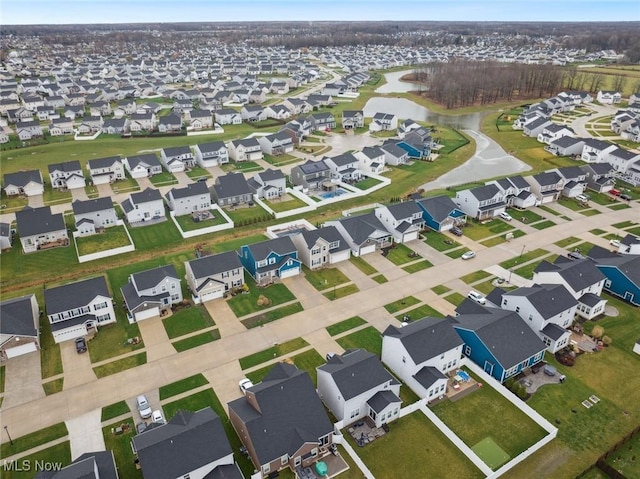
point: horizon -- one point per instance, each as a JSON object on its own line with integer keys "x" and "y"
{"x": 105, "y": 12}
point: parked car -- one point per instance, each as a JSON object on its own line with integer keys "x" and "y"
{"x": 505, "y": 216}
{"x": 477, "y": 297}
{"x": 614, "y": 192}
{"x": 141, "y": 427}
{"x": 625, "y": 197}
{"x": 157, "y": 417}
{"x": 615, "y": 243}
{"x": 575, "y": 255}
{"x": 468, "y": 255}
{"x": 81, "y": 345}
{"x": 456, "y": 231}
{"x": 143, "y": 406}
{"x": 582, "y": 198}
{"x": 245, "y": 384}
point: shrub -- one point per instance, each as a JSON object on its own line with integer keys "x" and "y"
{"x": 606, "y": 340}
{"x": 597, "y": 331}
{"x": 522, "y": 393}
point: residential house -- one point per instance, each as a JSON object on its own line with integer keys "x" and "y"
{"x": 231, "y": 189}
{"x": 171, "y": 123}
{"x": 40, "y": 229}
{"x": 227, "y": 116}
{"x": 321, "y": 247}
{"x": 27, "y": 182}
{"x": 251, "y": 113}
{"x": 440, "y": 213}
{"x": 406, "y": 126}
{"x": 352, "y": 119}
{"x": 393, "y": 154}
{"x": 210, "y": 277}
{"x": 144, "y": 206}
{"x": 67, "y": 175}
{"x": 297, "y": 106}
{"x": 599, "y": 177}
{"x": 247, "y": 149}
{"x": 575, "y": 180}
{"x": 99, "y": 464}
{"x": 546, "y": 186}
{"x": 630, "y": 244}
{"x": 481, "y": 202}
{"x": 323, "y": 121}
{"x": 76, "y": 309}
{"x": 421, "y": 353}
{"x": 355, "y": 385}
{"x": 93, "y": 215}
{"x": 383, "y": 122}
{"x": 608, "y": 97}
{"x": 269, "y": 184}
{"x": 363, "y": 233}
{"x": 142, "y": 121}
{"x": 106, "y": 170}
{"x": 622, "y": 273}
{"x": 211, "y": 154}
{"x": 90, "y": 124}
{"x": 191, "y": 445}
{"x": 281, "y": 421}
{"x": 320, "y": 100}
{"x": 149, "y": 293}
{"x": 580, "y": 277}
{"x": 553, "y": 132}
{"x": 193, "y": 197}
{"x": 61, "y": 126}
{"x": 177, "y": 158}
{"x": 403, "y": 220}
{"x": 115, "y": 126}
{"x": 28, "y": 129}
{"x": 516, "y": 191}
{"x": 278, "y": 112}
{"x": 535, "y": 127}
{"x": 371, "y": 159}
{"x": 499, "y": 341}
{"x": 311, "y": 174}
{"x": 142, "y": 166}
{"x": 596, "y": 151}
{"x": 343, "y": 167}
{"x": 272, "y": 259}
{"x": 623, "y": 160}
{"x": 276, "y": 144}
{"x": 200, "y": 119}
{"x": 19, "y": 328}
{"x": 6, "y": 236}
{"x": 566, "y": 146}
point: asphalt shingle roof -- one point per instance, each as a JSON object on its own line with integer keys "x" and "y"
{"x": 152, "y": 277}
{"x": 73, "y": 295}
{"x": 215, "y": 264}
{"x": 17, "y": 317}
{"x": 426, "y": 338}
{"x": 37, "y": 221}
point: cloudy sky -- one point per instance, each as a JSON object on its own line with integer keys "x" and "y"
{"x": 143, "y": 11}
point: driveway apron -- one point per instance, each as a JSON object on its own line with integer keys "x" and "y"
{"x": 309, "y": 296}
{"x": 85, "y": 433}
{"x": 155, "y": 339}
{"x": 23, "y": 381}
{"x": 77, "y": 367}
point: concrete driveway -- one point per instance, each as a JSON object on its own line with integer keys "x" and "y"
{"x": 308, "y": 296}
{"x": 77, "y": 367}
{"x": 227, "y": 322}
{"x": 36, "y": 201}
{"x": 85, "y": 433}
{"x": 224, "y": 381}
{"x": 23, "y": 380}
{"x": 156, "y": 341}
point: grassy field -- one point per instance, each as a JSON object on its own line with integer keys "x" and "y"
{"x": 401, "y": 254}
{"x": 478, "y": 231}
{"x": 53, "y": 387}
{"x": 289, "y": 203}
{"x": 362, "y": 265}
{"x": 187, "y": 224}
{"x": 187, "y": 320}
{"x": 36, "y": 438}
{"x": 418, "y": 266}
{"x": 273, "y": 315}
{"x": 163, "y": 179}
{"x": 120, "y": 365}
{"x": 114, "y": 410}
{"x": 419, "y": 313}
{"x": 337, "y": 293}
{"x": 196, "y": 340}
{"x": 625, "y": 460}
{"x": 114, "y": 237}
{"x": 401, "y": 304}
{"x": 440, "y": 289}
{"x": 523, "y": 258}
{"x": 368, "y": 338}
{"x": 455, "y": 298}
{"x": 184, "y": 385}
{"x": 440, "y": 242}
{"x": 324, "y": 278}
{"x": 475, "y": 276}
{"x": 272, "y": 352}
{"x": 154, "y": 236}
{"x": 345, "y": 325}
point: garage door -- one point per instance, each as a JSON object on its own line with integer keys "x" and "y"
{"x": 289, "y": 272}
{"x": 69, "y": 334}
{"x": 410, "y": 237}
{"x": 212, "y": 295}
{"x": 341, "y": 256}
{"x": 149, "y": 313}
{"x": 20, "y": 350}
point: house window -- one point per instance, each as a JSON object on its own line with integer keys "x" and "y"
{"x": 531, "y": 317}
{"x": 467, "y": 350}
{"x": 103, "y": 318}
{"x": 100, "y": 306}
{"x": 284, "y": 459}
{"x": 607, "y": 283}
{"x": 225, "y": 274}
{"x": 324, "y": 440}
{"x": 315, "y": 251}
{"x": 517, "y": 308}
{"x": 266, "y": 468}
{"x": 314, "y": 451}
{"x": 297, "y": 461}
{"x": 260, "y": 264}
{"x": 538, "y": 356}
{"x": 355, "y": 413}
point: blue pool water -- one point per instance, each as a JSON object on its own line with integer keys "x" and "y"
{"x": 463, "y": 374}
{"x": 331, "y": 194}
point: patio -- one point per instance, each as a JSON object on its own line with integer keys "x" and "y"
{"x": 364, "y": 432}
{"x": 457, "y": 387}
{"x": 583, "y": 342}
{"x": 335, "y": 465}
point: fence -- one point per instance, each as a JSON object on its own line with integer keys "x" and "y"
{"x": 601, "y": 463}
{"x": 105, "y": 254}
{"x": 201, "y": 231}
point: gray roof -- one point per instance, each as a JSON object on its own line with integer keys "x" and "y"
{"x": 72, "y": 295}
{"x": 5, "y": 230}
{"x": 18, "y": 317}
{"x": 628, "y": 264}
{"x": 189, "y": 440}
{"x": 145, "y": 196}
{"x": 566, "y": 141}
{"x": 150, "y": 159}
{"x": 327, "y": 233}
{"x": 281, "y": 246}
{"x": 439, "y": 207}
{"x": 578, "y": 274}
{"x": 630, "y": 240}
{"x": 84, "y": 467}
{"x": 427, "y": 376}
{"x": 427, "y": 338}
{"x": 505, "y": 335}
{"x": 22, "y": 178}
{"x": 271, "y": 174}
{"x": 590, "y": 299}
{"x": 553, "y": 331}
{"x": 231, "y": 184}
{"x": 215, "y": 264}
{"x": 485, "y": 192}
{"x": 519, "y": 182}
{"x": 311, "y": 167}
{"x": 361, "y": 227}
{"x": 152, "y": 277}
{"x": 599, "y": 168}
{"x": 103, "y": 162}
{"x": 343, "y": 159}
{"x": 36, "y": 221}
{"x": 356, "y": 371}
{"x": 597, "y": 144}
{"x": 571, "y": 172}
{"x": 90, "y": 206}
{"x": 73, "y": 165}
{"x": 289, "y": 413}
{"x": 394, "y": 150}
{"x": 192, "y": 189}
{"x": 211, "y": 146}
{"x": 246, "y": 142}
{"x": 548, "y": 299}
{"x": 225, "y": 471}
{"x": 380, "y": 400}
{"x": 176, "y": 151}
{"x": 547, "y": 178}
{"x": 404, "y": 209}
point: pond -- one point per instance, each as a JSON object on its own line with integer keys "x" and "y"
{"x": 395, "y": 85}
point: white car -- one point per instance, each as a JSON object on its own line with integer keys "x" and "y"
{"x": 144, "y": 408}
{"x": 615, "y": 243}
{"x": 505, "y": 216}
{"x": 157, "y": 417}
{"x": 477, "y": 297}
{"x": 245, "y": 384}
{"x": 468, "y": 255}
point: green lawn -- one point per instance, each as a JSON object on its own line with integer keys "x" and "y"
{"x": 379, "y": 278}
{"x": 281, "y": 160}
{"x": 197, "y": 172}
{"x": 405, "y": 452}
{"x": 549, "y": 210}
{"x": 2, "y": 378}
{"x": 114, "y": 237}
{"x": 244, "y": 304}
{"x": 50, "y": 356}
{"x": 525, "y": 257}
{"x": 118, "y": 365}
{"x": 309, "y": 361}
{"x": 477, "y": 231}
{"x": 592, "y": 212}
{"x": 563, "y": 243}
{"x": 368, "y": 338}
{"x": 126, "y": 185}
{"x": 337, "y": 293}
{"x": 246, "y": 215}
{"x": 456, "y": 253}
{"x": 120, "y": 444}
{"x": 485, "y": 287}
{"x": 273, "y": 315}
{"x": 362, "y": 265}
{"x": 53, "y": 387}
{"x": 163, "y": 179}
{"x": 475, "y": 276}
{"x": 420, "y": 312}
{"x": 324, "y": 278}
{"x": 114, "y": 410}
{"x": 345, "y": 325}
{"x": 624, "y": 224}
{"x": 440, "y": 289}
{"x": 187, "y": 320}
{"x": 525, "y": 216}
{"x": 440, "y": 242}
{"x": 625, "y": 460}
{"x": 196, "y": 340}
{"x": 236, "y": 243}
{"x": 572, "y": 204}
{"x": 526, "y": 271}
{"x": 634, "y": 231}
{"x": 243, "y": 166}
{"x": 272, "y": 352}
{"x": 60, "y": 454}
{"x": 619, "y": 206}
{"x": 187, "y": 224}
{"x": 401, "y": 304}
{"x": 400, "y": 254}
{"x": 153, "y": 236}
{"x": 184, "y": 385}
{"x": 289, "y": 203}
{"x": 543, "y": 224}
{"x": 366, "y": 183}
{"x": 418, "y": 266}
{"x": 455, "y": 298}
{"x": 36, "y": 438}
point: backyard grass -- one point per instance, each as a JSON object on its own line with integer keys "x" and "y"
{"x": 52, "y": 387}
{"x": 278, "y": 350}
{"x": 120, "y": 444}
{"x": 345, "y": 325}
{"x": 379, "y": 278}
{"x": 436, "y": 457}
{"x": 197, "y": 172}
{"x": 187, "y": 320}
{"x": 36, "y": 438}
{"x": 399, "y": 254}
{"x": 273, "y": 315}
{"x": 625, "y": 460}
{"x": 154, "y": 236}
{"x": 454, "y": 298}
{"x": 368, "y": 338}
{"x": 243, "y": 166}
{"x": 418, "y": 266}
{"x": 281, "y": 160}
{"x": 419, "y": 313}
{"x": 440, "y": 289}
{"x": 163, "y": 179}
{"x": 120, "y": 365}
{"x": 544, "y": 224}
{"x": 366, "y": 183}
{"x": 60, "y": 454}
{"x": 362, "y": 265}
{"x": 324, "y": 278}
{"x": 196, "y": 340}
{"x": 114, "y": 237}
{"x": 290, "y": 203}
{"x": 523, "y": 258}
{"x": 338, "y": 293}
{"x": 401, "y": 304}
{"x": 236, "y": 243}
{"x": 246, "y": 215}
{"x": 475, "y": 276}
{"x": 244, "y": 304}
{"x": 187, "y": 224}
{"x": 184, "y": 385}
{"x": 114, "y": 410}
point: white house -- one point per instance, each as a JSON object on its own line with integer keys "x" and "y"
{"x": 546, "y": 186}
{"x": 19, "y": 328}
{"x": 191, "y": 198}
{"x": 371, "y": 159}
{"x": 482, "y": 202}
{"x": 67, "y": 175}
{"x": 276, "y": 144}
{"x": 321, "y": 247}
{"x": 106, "y": 170}
{"x": 149, "y": 293}
{"x": 144, "y": 206}
{"x": 607, "y": 97}
{"x": 344, "y": 167}
{"x": 247, "y": 149}
{"x": 210, "y": 277}
{"x": 142, "y": 166}
{"x": 383, "y": 122}
{"x": 28, "y": 183}
{"x": 92, "y": 215}
{"x": 403, "y": 220}
{"x": 269, "y": 184}
{"x": 178, "y": 158}
{"x": 40, "y": 229}
{"x": 211, "y": 154}
{"x": 363, "y": 233}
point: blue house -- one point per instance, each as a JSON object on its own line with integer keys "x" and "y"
{"x": 440, "y": 213}
{"x": 498, "y": 341}
{"x": 271, "y": 259}
{"x": 622, "y": 272}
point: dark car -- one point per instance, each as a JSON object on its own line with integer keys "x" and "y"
{"x": 456, "y": 231}
{"x": 575, "y": 255}
{"x": 625, "y": 197}
{"x": 81, "y": 345}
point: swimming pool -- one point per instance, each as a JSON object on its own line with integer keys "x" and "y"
{"x": 332, "y": 194}
{"x": 463, "y": 374}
